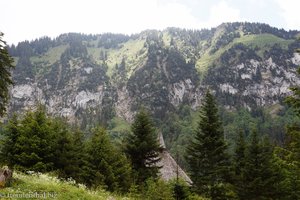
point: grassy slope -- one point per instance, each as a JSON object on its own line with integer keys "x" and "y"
{"x": 262, "y": 41}
{"x": 135, "y": 53}
{"x": 51, "y": 56}
{"x": 43, "y": 63}
{"x": 130, "y": 50}
{"x": 120, "y": 125}
{"x": 48, "y": 185}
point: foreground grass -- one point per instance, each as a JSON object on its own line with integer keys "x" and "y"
{"x": 44, "y": 186}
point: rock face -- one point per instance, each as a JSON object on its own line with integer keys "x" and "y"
{"x": 89, "y": 78}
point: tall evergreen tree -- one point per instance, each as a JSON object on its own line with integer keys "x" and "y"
{"x": 261, "y": 176}
{"x": 286, "y": 158}
{"x": 142, "y": 147}
{"x": 27, "y": 142}
{"x": 77, "y": 166}
{"x": 8, "y": 143}
{"x": 63, "y": 149}
{"x": 33, "y": 146}
{"x": 106, "y": 166}
{"x": 239, "y": 161}
{"x": 289, "y": 154}
{"x": 6, "y": 64}
{"x": 239, "y": 156}
{"x": 206, "y": 155}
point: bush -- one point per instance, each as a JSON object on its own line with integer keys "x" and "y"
{"x": 157, "y": 190}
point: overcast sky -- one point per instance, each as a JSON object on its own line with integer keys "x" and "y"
{"x": 30, "y": 19}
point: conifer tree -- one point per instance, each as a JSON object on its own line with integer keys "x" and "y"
{"x": 8, "y": 143}
{"x": 63, "y": 149}
{"x": 239, "y": 157}
{"x": 78, "y": 164}
{"x": 206, "y": 155}
{"x": 6, "y": 64}
{"x": 142, "y": 147}
{"x": 239, "y": 160}
{"x": 286, "y": 158}
{"x": 293, "y": 159}
{"x": 289, "y": 155}
{"x": 106, "y": 166}
{"x": 33, "y": 146}
{"x": 261, "y": 176}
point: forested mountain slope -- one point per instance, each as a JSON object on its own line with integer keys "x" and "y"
{"x": 89, "y": 78}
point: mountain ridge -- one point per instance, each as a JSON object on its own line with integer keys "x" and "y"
{"x": 89, "y": 78}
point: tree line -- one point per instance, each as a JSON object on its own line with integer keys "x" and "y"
{"x": 37, "y": 142}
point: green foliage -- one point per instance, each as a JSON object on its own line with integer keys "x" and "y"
{"x": 106, "y": 166}
{"x": 181, "y": 190}
{"x": 239, "y": 162}
{"x": 8, "y": 143}
{"x": 263, "y": 41}
{"x": 270, "y": 121}
{"x": 118, "y": 129}
{"x": 288, "y": 156}
{"x": 37, "y": 142}
{"x": 207, "y": 156}
{"x": 68, "y": 150}
{"x": 288, "y": 159}
{"x": 157, "y": 190}
{"x": 32, "y": 148}
{"x": 258, "y": 176}
{"x": 6, "y": 65}
{"x": 142, "y": 147}
{"x": 40, "y": 143}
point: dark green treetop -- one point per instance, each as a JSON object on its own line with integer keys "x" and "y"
{"x": 142, "y": 147}
{"x": 206, "y": 155}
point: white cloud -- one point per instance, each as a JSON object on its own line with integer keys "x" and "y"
{"x": 175, "y": 15}
{"x": 31, "y": 19}
{"x": 290, "y": 13}
{"x": 222, "y": 12}
{"x": 34, "y": 18}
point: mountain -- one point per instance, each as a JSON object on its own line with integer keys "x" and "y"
{"x": 94, "y": 78}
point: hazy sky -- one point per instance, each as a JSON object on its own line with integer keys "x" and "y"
{"x": 30, "y": 19}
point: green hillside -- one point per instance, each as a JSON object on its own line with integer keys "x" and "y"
{"x": 263, "y": 42}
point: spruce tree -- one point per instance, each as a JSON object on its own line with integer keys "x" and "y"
{"x": 33, "y": 146}
{"x": 289, "y": 154}
{"x": 261, "y": 176}
{"x": 106, "y": 166}
{"x": 287, "y": 157}
{"x": 8, "y": 143}
{"x": 206, "y": 155}
{"x": 293, "y": 159}
{"x": 142, "y": 147}
{"x": 240, "y": 150}
{"x": 78, "y": 162}
{"x": 6, "y": 64}
{"x": 63, "y": 149}
{"x": 239, "y": 161}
